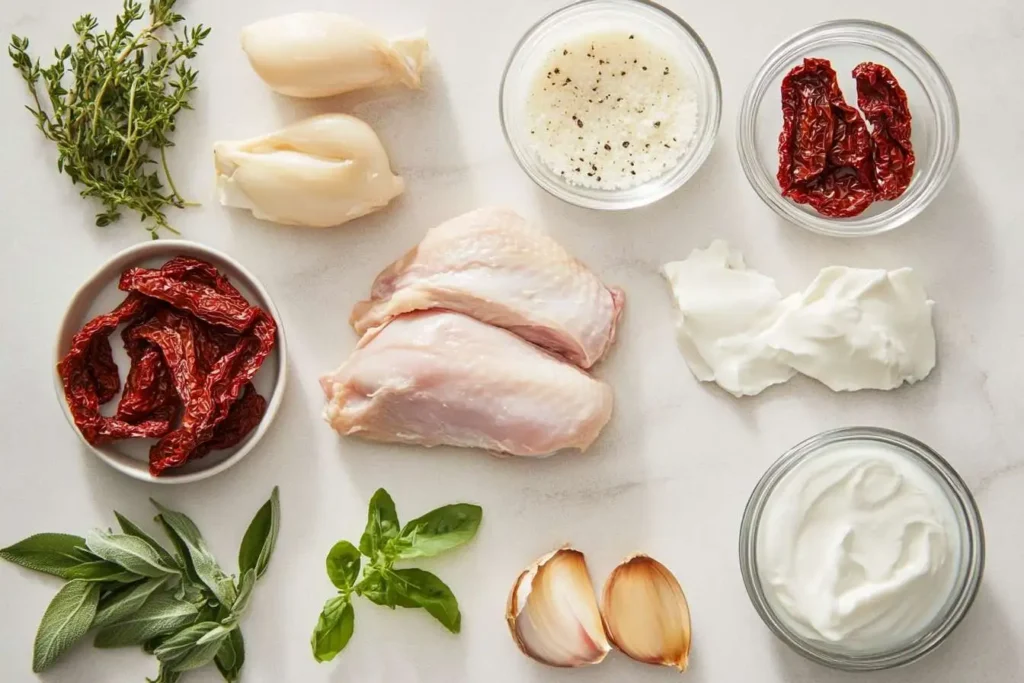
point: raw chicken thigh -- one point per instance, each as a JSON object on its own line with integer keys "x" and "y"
{"x": 439, "y": 377}
{"x": 493, "y": 265}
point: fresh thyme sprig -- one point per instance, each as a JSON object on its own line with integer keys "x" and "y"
{"x": 109, "y": 102}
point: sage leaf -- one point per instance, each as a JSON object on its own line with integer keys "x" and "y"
{"x": 130, "y": 552}
{"x": 191, "y": 647}
{"x": 203, "y": 562}
{"x": 164, "y": 675}
{"x": 440, "y": 530}
{"x": 102, "y": 571}
{"x": 126, "y": 602}
{"x": 182, "y": 554}
{"x": 159, "y": 615}
{"x": 129, "y": 527}
{"x": 429, "y": 592}
{"x": 245, "y": 587}
{"x": 343, "y": 565}
{"x": 65, "y": 621}
{"x": 53, "y": 554}
{"x": 333, "y": 629}
{"x": 381, "y": 525}
{"x": 261, "y": 537}
{"x": 231, "y": 656}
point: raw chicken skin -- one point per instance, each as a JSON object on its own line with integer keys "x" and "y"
{"x": 438, "y": 377}
{"x": 493, "y": 265}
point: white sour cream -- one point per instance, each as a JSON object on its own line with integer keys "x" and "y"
{"x": 858, "y": 546}
{"x": 850, "y": 329}
{"x": 611, "y": 110}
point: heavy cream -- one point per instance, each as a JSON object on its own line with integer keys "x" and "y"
{"x": 850, "y": 329}
{"x": 858, "y": 547}
{"x": 611, "y": 110}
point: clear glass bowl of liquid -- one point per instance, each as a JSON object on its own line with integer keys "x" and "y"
{"x": 655, "y": 24}
{"x": 968, "y": 564}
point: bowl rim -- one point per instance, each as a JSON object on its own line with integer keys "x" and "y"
{"x": 701, "y": 150}
{"x": 963, "y": 593}
{"x": 148, "y": 250}
{"x": 896, "y": 215}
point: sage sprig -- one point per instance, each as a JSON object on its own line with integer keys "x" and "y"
{"x": 178, "y": 605}
{"x": 384, "y": 543}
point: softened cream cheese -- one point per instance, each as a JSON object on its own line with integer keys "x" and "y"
{"x": 850, "y": 329}
{"x": 611, "y": 109}
{"x": 858, "y": 547}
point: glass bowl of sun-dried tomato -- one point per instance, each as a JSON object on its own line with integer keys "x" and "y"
{"x": 169, "y": 363}
{"x": 849, "y": 129}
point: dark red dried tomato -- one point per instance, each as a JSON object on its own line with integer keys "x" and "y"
{"x": 194, "y": 343}
{"x": 824, "y": 147}
{"x": 884, "y": 103}
{"x": 196, "y": 287}
{"x": 827, "y": 157}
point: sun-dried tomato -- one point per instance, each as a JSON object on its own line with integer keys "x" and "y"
{"x": 196, "y": 287}
{"x": 824, "y": 146}
{"x": 884, "y": 103}
{"x": 80, "y": 387}
{"x": 194, "y": 343}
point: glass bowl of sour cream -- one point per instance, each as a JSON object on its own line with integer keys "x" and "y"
{"x": 862, "y": 549}
{"x": 610, "y": 104}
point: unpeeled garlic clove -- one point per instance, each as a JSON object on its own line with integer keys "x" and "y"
{"x": 319, "y": 54}
{"x": 552, "y": 612}
{"x": 645, "y": 613}
{"x": 319, "y": 172}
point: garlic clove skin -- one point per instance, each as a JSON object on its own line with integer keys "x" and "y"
{"x": 553, "y": 615}
{"x": 319, "y": 54}
{"x": 319, "y": 172}
{"x": 646, "y": 614}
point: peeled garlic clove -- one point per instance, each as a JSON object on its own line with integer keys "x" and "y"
{"x": 645, "y": 613}
{"x": 320, "y": 172}
{"x": 318, "y": 54}
{"x": 552, "y": 612}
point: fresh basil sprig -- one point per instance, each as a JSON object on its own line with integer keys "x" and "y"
{"x": 385, "y": 542}
{"x": 177, "y": 605}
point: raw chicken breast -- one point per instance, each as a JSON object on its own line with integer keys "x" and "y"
{"x": 322, "y": 171}
{"x": 438, "y": 377}
{"x": 317, "y": 54}
{"x": 491, "y": 264}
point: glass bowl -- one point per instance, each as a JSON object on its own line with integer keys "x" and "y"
{"x": 661, "y": 27}
{"x": 935, "y": 124}
{"x": 970, "y": 557}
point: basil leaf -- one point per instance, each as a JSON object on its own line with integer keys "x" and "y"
{"x": 192, "y": 647}
{"x": 381, "y": 524}
{"x": 130, "y": 552}
{"x": 440, "y": 530}
{"x": 377, "y": 589}
{"x": 159, "y": 615}
{"x": 333, "y": 629}
{"x": 130, "y": 528}
{"x": 245, "y": 586}
{"x": 126, "y": 602}
{"x": 343, "y": 565}
{"x": 203, "y": 562}
{"x": 103, "y": 571}
{"x": 429, "y": 592}
{"x": 164, "y": 675}
{"x": 53, "y": 554}
{"x": 65, "y": 621}
{"x": 231, "y": 656}
{"x": 260, "y": 538}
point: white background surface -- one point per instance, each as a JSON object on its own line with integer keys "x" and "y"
{"x": 673, "y": 470}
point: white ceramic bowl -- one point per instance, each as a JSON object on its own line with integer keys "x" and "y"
{"x": 99, "y": 294}
{"x": 659, "y": 25}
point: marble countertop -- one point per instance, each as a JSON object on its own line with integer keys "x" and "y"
{"x": 674, "y": 468}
